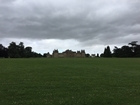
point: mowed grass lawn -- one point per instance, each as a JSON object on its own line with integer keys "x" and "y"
{"x": 65, "y": 81}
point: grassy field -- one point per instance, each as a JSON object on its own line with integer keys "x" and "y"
{"x": 70, "y": 81}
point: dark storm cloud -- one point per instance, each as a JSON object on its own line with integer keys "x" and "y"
{"x": 109, "y": 21}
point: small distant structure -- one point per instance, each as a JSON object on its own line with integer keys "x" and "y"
{"x": 93, "y": 55}
{"x": 48, "y": 55}
{"x": 68, "y": 54}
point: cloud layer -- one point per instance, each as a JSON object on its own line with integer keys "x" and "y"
{"x": 99, "y": 22}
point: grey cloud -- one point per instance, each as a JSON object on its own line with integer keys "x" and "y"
{"x": 6, "y": 1}
{"x": 88, "y": 22}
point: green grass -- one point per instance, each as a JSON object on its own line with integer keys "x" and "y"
{"x": 70, "y": 81}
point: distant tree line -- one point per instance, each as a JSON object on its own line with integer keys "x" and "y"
{"x": 20, "y": 51}
{"x": 126, "y": 51}
{"x": 17, "y": 51}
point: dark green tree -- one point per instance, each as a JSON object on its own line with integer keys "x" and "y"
{"x": 126, "y": 51}
{"x": 97, "y": 55}
{"x": 102, "y": 55}
{"x": 21, "y": 50}
{"x": 1, "y": 50}
{"x": 87, "y": 55}
{"x": 107, "y": 52}
{"x": 117, "y": 52}
{"x": 135, "y": 48}
{"x": 137, "y": 51}
{"x": 13, "y": 51}
{"x": 28, "y": 52}
{"x": 133, "y": 43}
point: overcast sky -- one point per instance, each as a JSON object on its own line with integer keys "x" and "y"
{"x": 69, "y": 24}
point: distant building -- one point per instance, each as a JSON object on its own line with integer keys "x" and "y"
{"x": 68, "y": 54}
{"x": 48, "y": 55}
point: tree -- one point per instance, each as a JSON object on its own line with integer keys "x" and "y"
{"x": 28, "y": 52}
{"x": 45, "y": 55}
{"x": 87, "y": 55}
{"x": 137, "y": 51}
{"x": 17, "y": 51}
{"x": 133, "y": 43}
{"x": 97, "y": 55}
{"x": 135, "y": 48}
{"x": 117, "y": 52}
{"x": 107, "y": 52}
{"x": 1, "y": 50}
{"x": 13, "y": 50}
{"x": 126, "y": 51}
{"x": 102, "y": 55}
{"x": 21, "y": 50}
